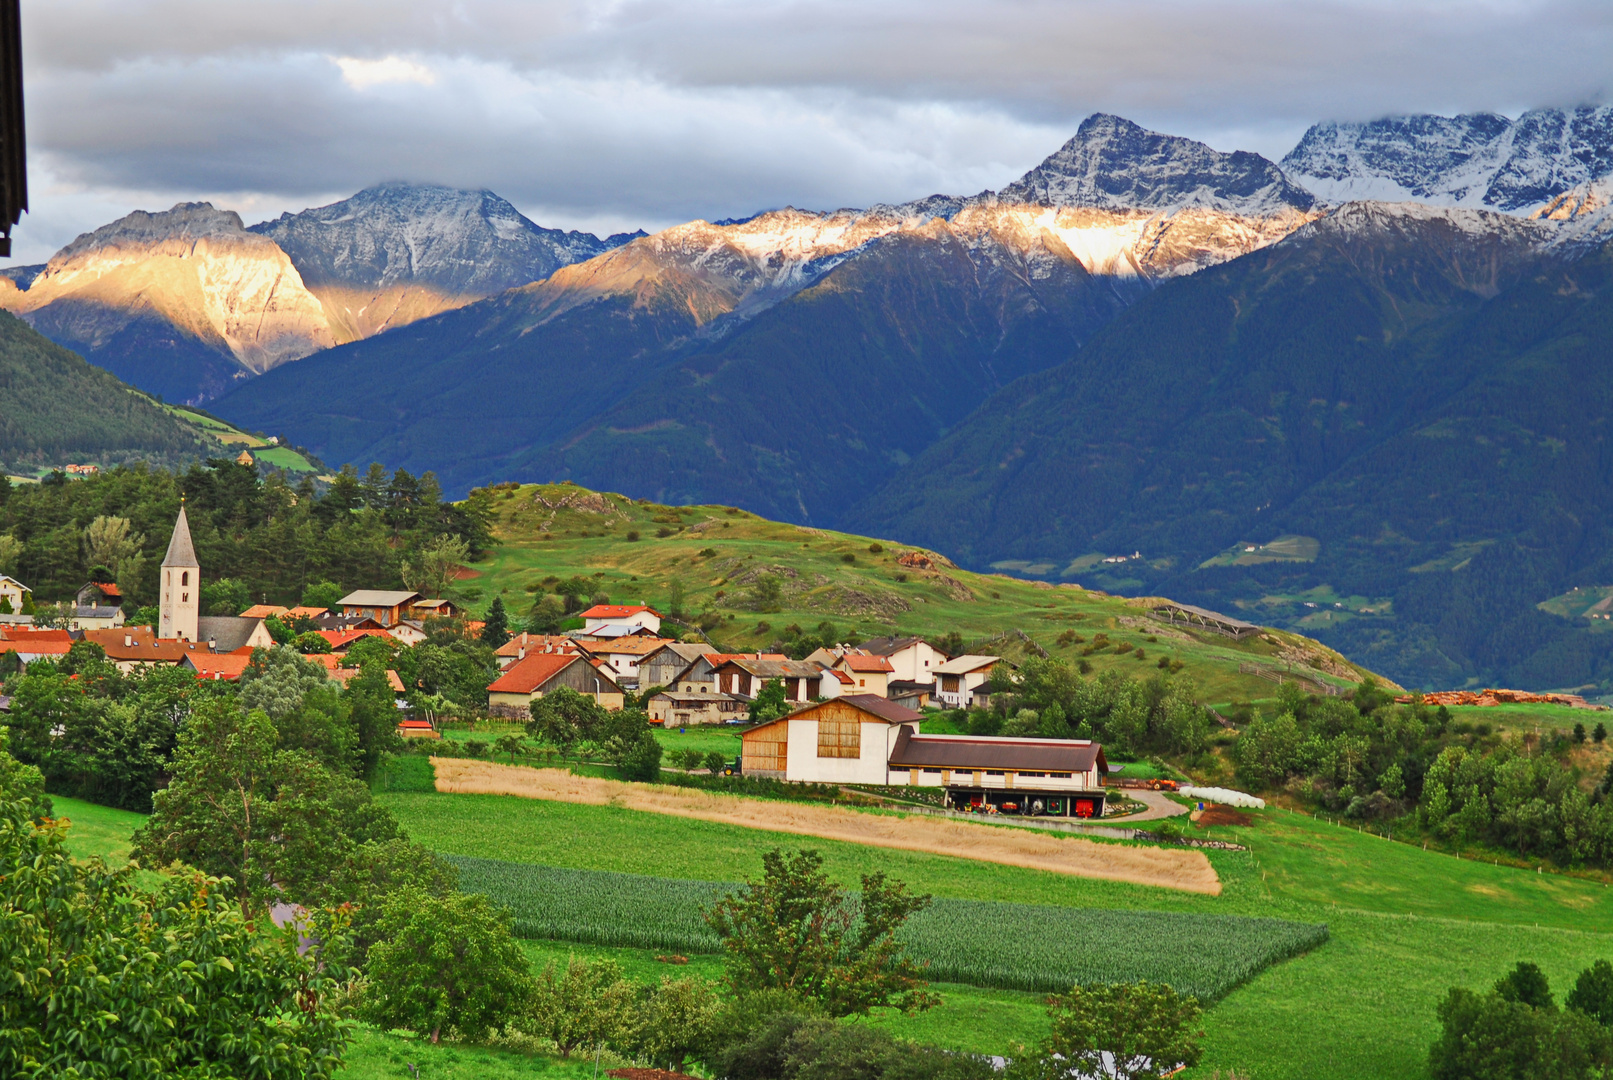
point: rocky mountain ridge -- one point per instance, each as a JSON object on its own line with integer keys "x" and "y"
{"x": 1473, "y": 160}
{"x": 185, "y": 302}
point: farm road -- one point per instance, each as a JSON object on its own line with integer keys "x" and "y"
{"x": 1159, "y": 806}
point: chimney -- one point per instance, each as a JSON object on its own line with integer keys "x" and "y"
{"x": 128, "y": 641}
{"x": 212, "y": 645}
{"x": 522, "y": 654}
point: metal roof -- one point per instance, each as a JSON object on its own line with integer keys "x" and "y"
{"x": 1207, "y": 615}
{"x": 377, "y": 598}
{"x": 962, "y": 665}
{"x": 991, "y": 752}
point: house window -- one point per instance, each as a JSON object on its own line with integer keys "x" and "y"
{"x": 932, "y": 772}
{"x": 184, "y": 598}
{"x": 1059, "y": 775}
{"x": 184, "y": 578}
{"x": 840, "y": 738}
{"x": 994, "y": 772}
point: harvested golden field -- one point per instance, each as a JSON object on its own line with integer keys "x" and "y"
{"x": 1168, "y": 868}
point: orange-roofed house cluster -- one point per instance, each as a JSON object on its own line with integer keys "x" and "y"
{"x": 620, "y": 649}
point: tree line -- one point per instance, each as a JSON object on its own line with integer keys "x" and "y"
{"x": 273, "y": 538}
{"x": 1417, "y": 768}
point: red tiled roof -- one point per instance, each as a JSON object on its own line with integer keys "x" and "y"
{"x": 527, "y": 675}
{"x": 863, "y": 662}
{"x": 212, "y": 666}
{"x": 617, "y": 611}
{"x": 640, "y": 646}
{"x": 842, "y": 678}
{"x": 30, "y": 633}
{"x": 262, "y": 611}
{"x": 108, "y": 589}
{"x": 300, "y": 612}
{"x": 341, "y": 639}
{"x": 36, "y": 647}
{"x": 533, "y": 643}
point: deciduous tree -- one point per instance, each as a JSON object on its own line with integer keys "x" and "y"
{"x": 799, "y": 932}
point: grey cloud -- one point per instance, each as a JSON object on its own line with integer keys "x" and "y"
{"x": 653, "y": 111}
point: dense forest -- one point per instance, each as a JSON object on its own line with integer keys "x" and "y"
{"x": 272, "y": 538}
{"x": 60, "y": 408}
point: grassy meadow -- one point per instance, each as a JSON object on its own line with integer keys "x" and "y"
{"x": 1404, "y": 924}
{"x": 635, "y": 552}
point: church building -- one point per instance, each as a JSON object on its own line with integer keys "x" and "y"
{"x": 181, "y": 598}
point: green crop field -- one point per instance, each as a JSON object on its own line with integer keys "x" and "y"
{"x": 717, "y": 555}
{"x": 1005, "y": 946}
{"x": 1403, "y": 924}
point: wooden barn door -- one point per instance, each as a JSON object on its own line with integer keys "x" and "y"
{"x": 765, "y": 750}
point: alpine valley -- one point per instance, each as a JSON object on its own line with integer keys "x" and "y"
{"x": 1147, "y": 366}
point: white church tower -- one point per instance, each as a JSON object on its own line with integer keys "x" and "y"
{"x": 181, "y": 585}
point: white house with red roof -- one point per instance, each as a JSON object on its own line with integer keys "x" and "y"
{"x": 615, "y": 620}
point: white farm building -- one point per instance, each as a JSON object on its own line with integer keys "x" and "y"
{"x": 866, "y": 739}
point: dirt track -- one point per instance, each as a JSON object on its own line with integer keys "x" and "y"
{"x": 1163, "y": 867}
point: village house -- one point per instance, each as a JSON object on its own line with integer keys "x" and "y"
{"x": 663, "y": 665}
{"x": 744, "y": 677}
{"x": 511, "y": 695}
{"x": 13, "y": 594}
{"x": 616, "y": 620}
{"x": 845, "y": 741}
{"x": 31, "y": 643}
{"x": 522, "y": 644}
{"x": 436, "y": 609}
{"x": 622, "y": 655}
{"x": 131, "y": 648}
{"x": 913, "y": 660}
{"x": 674, "y": 708}
{"x": 386, "y": 606}
{"x": 701, "y": 674}
{"x": 867, "y": 673}
{"x": 92, "y": 617}
{"x": 227, "y": 633}
{"x": 957, "y": 679}
{"x": 99, "y": 594}
{"x": 226, "y": 667}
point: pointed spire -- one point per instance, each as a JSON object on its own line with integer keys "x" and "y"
{"x": 180, "y": 551}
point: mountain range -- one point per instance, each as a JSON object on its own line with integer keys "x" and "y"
{"x": 185, "y": 302}
{"x": 1316, "y": 410}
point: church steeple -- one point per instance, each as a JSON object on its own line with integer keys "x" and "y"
{"x": 181, "y": 585}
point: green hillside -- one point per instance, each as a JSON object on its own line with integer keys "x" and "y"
{"x": 760, "y": 584}
{"x": 57, "y": 409}
{"x": 1401, "y": 415}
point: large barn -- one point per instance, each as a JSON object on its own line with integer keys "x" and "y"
{"x": 866, "y": 739}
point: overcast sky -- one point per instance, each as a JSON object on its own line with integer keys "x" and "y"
{"x": 618, "y": 114}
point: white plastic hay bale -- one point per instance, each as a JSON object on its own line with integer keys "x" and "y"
{"x": 1224, "y": 796}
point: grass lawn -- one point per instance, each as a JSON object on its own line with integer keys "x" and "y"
{"x": 378, "y": 1055}
{"x": 703, "y": 738}
{"x": 1530, "y": 717}
{"x": 97, "y": 830}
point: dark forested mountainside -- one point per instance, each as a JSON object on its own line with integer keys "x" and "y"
{"x": 793, "y": 412}
{"x": 803, "y": 409}
{"x": 274, "y": 539}
{"x": 1418, "y": 400}
{"x": 55, "y": 407}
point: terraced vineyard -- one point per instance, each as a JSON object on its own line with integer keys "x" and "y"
{"x": 998, "y": 945}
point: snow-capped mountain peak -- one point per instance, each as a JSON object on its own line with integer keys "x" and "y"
{"x": 1113, "y": 164}
{"x": 457, "y": 242}
{"x": 1477, "y": 160}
